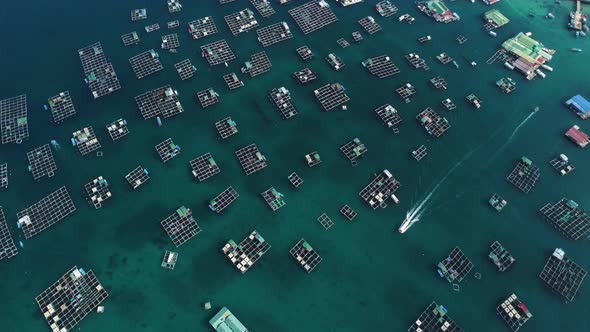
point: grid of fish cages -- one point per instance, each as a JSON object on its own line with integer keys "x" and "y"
{"x": 273, "y": 198}
{"x": 500, "y": 256}
{"x": 41, "y": 162}
{"x": 389, "y": 116}
{"x": 281, "y": 98}
{"x": 325, "y": 221}
{"x": 259, "y": 64}
{"x": 313, "y": 159}
{"x": 563, "y": 275}
{"x": 118, "y": 129}
{"x": 233, "y": 81}
{"x": 181, "y": 226}
{"x": 240, "y": 22}
{"x": 167, "y": 150}
{"x": 138, "y": 14}
{"x": 202, "y": 27}
{"x": 448, "y": 104}
{"x": 455, "y": 267}
{"x": 295, "y": 180}
{"x": 152, "y": 27}
{"x": 169, "y": 260}
{"x": 386, "y": 8}
{"x": 434, "y": 124}
{"x": 313, "y": 15}
{"x": 61, "y": 107}
{"x": 204, "y": 167}
{"x": 562, "y": 165}
{"x": 173, "y": 24}
{"x": 304, "y": 53}
{"x": 370, "y": 25}
{"x": 304, "y": 76}
{"x": 161, "y": 101}
{"x": 335, "y": 62}
{"x": 98, "y": 191}
{"x": 174, "y": 6}
{"x": 223, "y": 200}
{"x": 131, "y": 38}
{"x": 353, "y": 150}
{"x": 7, "y": 247}
{"x": 217, "y": 52}
{"x": 416, "y": 61}
{"x": 274, "y": 33}
{"x": 419, "y": 153}
{"x": 380, "y": 189}
{"x": 14, "y": 123}
{"x": 381, "y": 66}
{"x": 434, "y": 318}
{"x": 47, "y": 212}
{"x": 208, "y": 97}
{"x": 185, "y": 69}
{"x": 99, "y": 74}
{"x": 444, "y": 58}
{"x": 245, "y": 254}
{"x": 85, "y": 140}
{"x": 406, "y": 91}
{"x": 146, "y": 63}
{"x": 348, "y": 212}
{"x": 170, "y": 42}
{"x": 525, "y": 175}
{"x": 331, "y": 96}
{"x": 305, "y": 255}
{"x": 223, "y": 2}
{"x": 567, "y": 217}
{"x": 514, "y": 312}
{"x": 226, "y": 127}
{"x": 137, "y": 177}
{"x": 251, "y": 159}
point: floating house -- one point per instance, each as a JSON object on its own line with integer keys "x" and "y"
{"x": 580, "y": 105}
{"x": 577, "y": 136}
{"x": 530, "y": 54}
{"x": 437, "y": 10}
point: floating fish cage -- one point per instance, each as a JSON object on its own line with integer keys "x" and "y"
{"x": 99, "y": 74}
{"x": 208, "y": 97}
{"x": 434, "y": 124}
{"x": 263, "y": 7}
{"x": 497, "y": 202}
{"x": 562, "y": 164}
{"x": 416, "y": 61}
{"x": 380, "y": 189}
{"x": 169, "y": 260}
{"x": 170, "y": 42}
{"x": 406, "y": 91}
{"x": 240, "y": 22}
{"x": 313, "y": 159}
{"x": 138, "y": 14}
{"x": 152, "y": 27}
{"x": 295, "y": 180}
{"x": 353, "y": 150}
{"x": 217, "y": 53}
{"x": 525, "y": 175}
{"x": 455, "y": 267}
{"x": 45, "y": 213}
{"x": 419, "y": 153}
{"x": 514, "y": 312}
{"x": 305, "y": 53}
{"x": 439, "y": 83}
{"x": 335, "y": 62}
{"x": 41, "y": 162}
{"x": 161, "y": 101}
{"x": 357, "y": 37}
{"x": 274, "y": 33}
{"x": 226, "y": 127}
{"x": 3, "y": 176}
{"x": 567, "y": 217}
{"x": 131, "y": 38}
{"x": 232, "y": 81}
{"x": 146, "y": 64}
{"x": 61, "y": 107}
{"x": 167, "y": 150}
{"x": 85, "y": 140}
{"x": 98, "y": 191}
{"x": 500, "y": 256}
{"x": 348, "y": 212}
{"x": 273, "y": 198}
{"x": 137, "y": 177}
{"x": 245, "y": 254}
{"x": 281, "y": 99}
{"x": 181, "y": 226}
{"x": 202, "y": 27}
{"x": 251, "y": 159}
{"x": 305, "y": 255}
{"x": 434, "y": 318}
{"x": 381, "y": 66}
{"x": 325, "y": 221}
{"x": 386, "y": 8}
{"x": 389, "y": 116}
{"x": 7, "y": 246}
{"x": 343, "y": 43}
{"x": 331, "y": 96}
{"x": 185, "y": 69}
{"x": 370, "y": 25}
{"x": 448, "y": 104}
{"x": 259, "y": 64}
{"x": 304, "y": 76}
{"x": 118, "y": 129}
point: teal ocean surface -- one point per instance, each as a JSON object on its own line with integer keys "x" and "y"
{"x": 371, "y": 277}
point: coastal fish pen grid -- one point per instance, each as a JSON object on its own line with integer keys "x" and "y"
{"x": 434, "y": 318}
{"x": 514, "y": 312}
{"x": 131, "y": 38}
{"x": 85, "y": 140}
{"x": 348, "y": 212}
{"x": 357, "y": 37}
{"x": 204, "y": 167}
{"x": 61, "y": 107}
{"x": 305, "y": 255}
{"x": 251, "y": 159}
{"x": 353, "y": 150}
{"x": 173, "y": 24}
{"x": 14, "y": 125}
{"x": 181, "y": 226}
{"x": 313, "y": 16}
{"x": 388, "y": 115}
{"x": 152, "y": 27}
{"x": 263, "y": 7}
{"x": 245, "y": 254}
{"x": 500, "y": 256}
{"x": 97, "y": 191}
{"x": 259, "y": 64}
{"x": 118, "y": 129}
{"x": 295, "y": 180}
{"x": 167, "y": 150}
{"x": 161, "y": 101}
{"x": 274, "y": 33}
{"x": 223, "y": 200}
{"x": 313, "y": 159}
{"x": 202, "y": 27}
{"x": 304, "y": 76}
{"x": 331, "y": 96}
{"x": 434, "y": 124}
{"x": 170, "y": 42}
{"x": 169, "y": 260}
{"x": 370, "y": 25}
{"x": 7, "y": 247}
{"x": 41, "y": 162}
{"x": 46, "y": 213}
{"x": 525, "y": 175}
{"x": 378, "y": 191}
{"x": 455, "y": 267}
{"x": 146, "y": 64}
{"x": 273, "y": 198}
{"x": 99, "y": 74}
{"x": 226, "y": 127}
{"x": 137, "y": 177}
{"x": 185, "y": 69}
{"x": 281, "y": 98}
{"x": 208, "y": 97}
{"x": 325, "y": 221}
{"x": 335, "y": 62}
{"x": 217, "y": 53}
{"x": 232, "y": 81}
{"x": 343, "y": 43}
{"x": 138, "y": 14}
{"x": 406, "y": 91}
{"x": 386, "y": 8}
{"x": 3, "y": 176}
{"x": 240, "y": 22}
{"x": 568, "y": 218}
{"x": 304, "y": 53}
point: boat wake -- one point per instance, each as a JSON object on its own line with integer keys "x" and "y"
{"x": 514, "y": 132}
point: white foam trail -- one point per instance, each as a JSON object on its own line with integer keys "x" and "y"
{"x": 514, "y": 132}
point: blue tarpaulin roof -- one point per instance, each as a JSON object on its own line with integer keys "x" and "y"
{"x": 579, "y": 103}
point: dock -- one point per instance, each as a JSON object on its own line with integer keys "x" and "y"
{"x": 439, "y": 83}
{"x": 3, "y": 176}
{"x": 434, "y": 318}
{"x": 567, "y": 217}
{"x": 406, "y": 91}
{"x": 419, "y": 153}
{"x": 563, "y": 275}
{"x": 245, "y": 254}
{"x": 98, "y": 191}
{"x": 526, "y": 55}
{"x": 434, "y": 124}
{"x": 181, "y": 226}
{"x": 281, "y": 99}
{"x": 85, "y": 140}
{"x": 185, "y": 69}
{"x": 381, "y": 66}
{"x": 386, "y": 8}
{"x": 379, "y": 190}
{"x": 273, "y": 198}
{"x": 232, "y": 81}
{"x": 170, "y": 42}
{"x": 304, "y": 76}
{"x": 251, "y": 159}
{"x": 348, "y": 212}
{"x": 448, "y": 104}
{"x": 304, "y": 53}
{"x": 500, "y": 256}
{"x": 167, "y": 150}
{"x": 455, "y": 267}
{"x": 204, "y": 167}
{"x": 369, "y": 24}
{"x": 226, "y": 127}
{"x": 313, "y": 15}
{"x": 131, "y": 38}
{"x": 562, "y": 165}
{"x": 137, "y": 177}
{"x": 161, "y": 101}
{"x": 99, "y": 74}
{"x": 474, "y": 100}
{"x": 14, "y": 123}
{"x": 389, "y": 116}
{"x": 174, "y": 6}
{"x": 313, "y": 159}
{"x": 305, "y": 255}
{"x": 514, "y": 312}
{"x": 223, "y": 200}
{"x": 335, "y": 62}
{"x": 240, "y": 22}
{"x": 118, "y": 129}
{"x": 138, "y": 14}
{"x": 224, "y": 320}
{"x": 217, "y": 53}
{"x": 274, "y": 33}
{"x": 357, "y": 37}
{"x": 416, "y": 61}
{"x": 41, "y": 162}
{"x": 202, "y": 27}
{"x": 146, "y": 64}
{"x": 325, "y": 221}
{"x": 47, "y": 212}
{"x": 263, "y": 7}
{"x": 353, "y": 150}
{"x": 207, "y": 97}
{"x": 295, "y": 180}
{"x": 444, "y": 58}
{"x": 152, "y": 27}
{"x": 525, "y": 175}
{"x": 61, "y": 107}
{"x": 343, "y": 43}
{"x": 577, "y": 136}
{"x": 497, "y": 202}
{"x": 7, "y": 247}
{"x": 169, "y": 260}
{"x": 259, "y": 64}
{"x": 506, "y": 84}
{"x": 70, "y": 299}
{"x": 331, "y": 96}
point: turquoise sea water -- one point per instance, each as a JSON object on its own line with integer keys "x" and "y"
{"x": 371, "y": 278}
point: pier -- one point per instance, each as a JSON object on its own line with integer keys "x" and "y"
{"x": 146, "y": 63}
{"x": 251, "y": 159}
{"x": 99, "y": 74}
{"x": 273, "y": 198}
{"x": 567, "y": 217}
{"x": 161, "y": 101}
{"x": 334, "y": 61}
{"x": 406, "y": 91}
{"x": 170, "y": 42}
{"x": 3, "y": 176}
{"x": 494, "y": 19}
{"x": 85, "y": 140}
{"x": 263, "y": 7}
{"x": 313, "y": 159}
{"x": 295, "y": 180}
{"x": 7, "y": 247}
{"x": 208, "y": 97}
{"x": 185, "y": 69}
{"x": 223, "y": 200}
{"x": 514, "y": 312}
{"x": 304, "y": 76}
{"x": 500, "y": 256}
{"x": 97, "y": 191}
{"x": 562, "y": 165}
{"x": 448, "y": 104}
{"x": 274, "y": 33}
{"x": 204, "y": 167}
{"x": 343, "y": 43}
{"x": 167, "y": 150}
{"x": 217, "y": 53}
{"x": 152, "y": 27}
{"x": 131, "y": 38}
{"x": 138, "y": 14}
{"x": 232, "y": 81}
{"x": 331, "y": 96}
{"x": 181, "y": 226}
{"x": 353, "y": 150}
{"x": 245, "y": 254}
{"x": 381, "y": 66}
{"x": 325, "y": 221}
{"x": 226, "y": 127}
{"x": 45, "y": 213}
{"x": 118, "y": 129}
{"x": 305, "y": 255}
{"x": 348, "y": 212}
{"x": 497, "y": 202}
{"x": 563, "y": 275}
{"x": 313, "y": 16}
{"x": 525, "y": 175}
{"x": 304, "y": 53}
{"x": 370, "y": 25}
{"x": 434, "y": 318}
{"x": 240, "y": 22}
{"x": 137, "y": 177}
{"x": 437, "y": 10}
{"x": 259, "y": 64}
{"x": 379, "y": 190}
{"x": 41, "y": 162}
{"x": 14, "y": 123}
{"x": 61, "y": 107}
{"x": 455, "y": 267}
{"x": 70, "y": 299}
{"x": 434, "y": 124}
{"x": 386, "y": 8}
{"x": 416, "y": 61}
{"x": 169, "y": 260}
{"x": 281, "y": 98}
{"x": 174, "y": 6}
{"x": 419, "y": 153}
{"x": 389, "y": 116}
{"x": 202, "y": 27}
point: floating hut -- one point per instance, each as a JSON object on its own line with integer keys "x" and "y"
{"x": 313, "y": 16}
{"x": 335, "y": 62}
{"x": 204, "y": 167}
{"x": 85, "y": 140}
{"x": 240, "y": 22}
{"x": 7, "y": 247}
{"x": 137, "y": 177}
{"x": 514, "y": 312}
{"x": 251, "y": 159}
{"x": 500, "y": 256}
{"x": 226, "y": 127}
{"x": 259, "y": 64}
{"x": 161, "y": 101}
{"x": 563, "y": 275}
{"x": 378, "y": 191}
{"x": 370, "y": 25}
{"x": 99, "y": 74}
{"x": 331, "y": 96}
{"x": 313, "y": 159}
{"x": 348, "y": 212}
{"x": 45, "y": 213}
{"x": 494, "y": 19}
{"x": 61, "y": 107}
{"x": 281, "y": 99}
{"x": 273, "y": 198}
{"x": 138, "y": 14}
{"x": 217, "y": 53}
{"x": 386, "y": 8}
{"x": 455, "y": 267}
{"x": 185, "y": 69}
{"x": 434, "y": 124}
{"x": 274, "y": 33}
{"x": 208, "y": 97}
{"x": 295, "y": 180}
{"x": 202, "y": 27}
{"x": 146, "y": 63}
{"x": 304, "y": 76}
{"x": 232, "y": 81}
{"x": 304, "y": 53}
{"x": 381, "y": 66}
{"x": 223, "y": 200}
{"x": 245, "y": 254}
{"x": 434, "y": 318}
{"x": 562, "y": 164}
{"x": 167, "y": 150}
{"x": 567, "y": 217}
{"x": 98, "y": 191}
{"x": 305, "y": 255}
{"x": 13, "y": 120}
{"x": 525, "y": 175}
{"x": 41, "y": 162}
{"x": 325, "y": 221}
{"x": 169, "y": 260}
{"x": 181, "y": 226}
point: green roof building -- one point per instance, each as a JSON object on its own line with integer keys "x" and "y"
{"x": 225, "y": 321}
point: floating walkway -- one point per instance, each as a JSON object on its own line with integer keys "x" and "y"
{"x": 167, "y": 150}
{"x": 305, "y": 53}
{"x": 242, "y": 21}
{"x": 137, "y": 177}
{"x": 389, "y": 116}
{"x": 370, "y": 25}
{"x": 325, "y": 221}
{"x": 273, "y": 198}
{"x": 274, "y": 33}
{"x": 331, "y": 96}
{"x": 500, "y": 256}
{"x": 61, "y": 107}
{"x": 434, "y": 318}
{"x": 386, "y": 8}
{"x": 263, "y": 7}
{"x": 85, "y": 140}
{"x": 562, "y": 165}
{"x": 98, "y": 191}
{"x": 434, "y": 124}
{"x": 70, "y": 299}
{"x": 251, "y": 159}
{"x": 379, "y": 190}
{"x": 525, "y": 175}
{"x": 185, "y": 69}
{"x": 439, "y": 83}
{"x": 335, "y": 62}
{"x": 455, "y": 267}
{"x": 169, "y": 260}
{"x": 217, "y": 53}
{"x": 7, "y": 247}
{"x": 357, "y": 37}
{"x": 313, "y": 159}
{"x": 131, "y": 38}
{"x": 170, "y": 42}
{"x": 99, "y": 74}
{"x": 295, "y": 180}
{"x": 146, "y": 64}
{"x": 3, "y": 176}
{"x": 563, "y": 275}
{"x": 41, "y": 162}
{"x": 223, "y": 200}
{"x": 226, "y": 127}
{"x": 259, "y": 64}
{"x": 353, "y": 150}
{"x": 281, "y": 98}
{"x": 207, "y": 97}
{"x": 348, "y": 212}
{"x": 202, "y": 27}
{"x": 381, "y": 66}
{"x": 232, "y": 81}
{"x": 181, "y": 226}
{"x": 313, "y": 16}
{"x": 514, "y": 312}
{"x": 204, "y": 167}
{"x": 567, "y": 217}
{"x": 118, "y": 129}
{"x": 304, "y": 76}
{"x": 45, "y": 213}
{"x": 161, "y": 101}
{"x": 14, "y": 123}
{"x": 305, "y": 255}
{"x": 245, "y": 254}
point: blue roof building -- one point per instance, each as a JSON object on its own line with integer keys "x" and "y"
{"x": 580, "y": 105}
